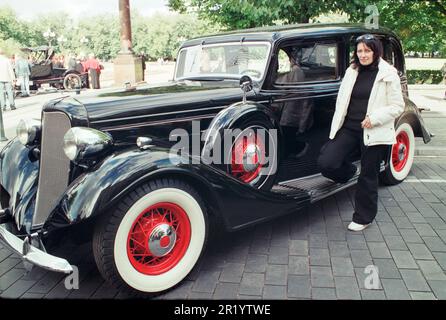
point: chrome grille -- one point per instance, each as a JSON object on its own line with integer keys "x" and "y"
{"x": 54, "y": 165}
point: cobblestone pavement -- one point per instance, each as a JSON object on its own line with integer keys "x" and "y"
{"x": 305, "y": 255}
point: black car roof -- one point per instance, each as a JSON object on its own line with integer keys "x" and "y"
{"x": 275, "y": 33}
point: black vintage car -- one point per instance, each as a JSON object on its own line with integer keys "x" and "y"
{"x": 147, "y": 173}
{"x": 43, "y": 71}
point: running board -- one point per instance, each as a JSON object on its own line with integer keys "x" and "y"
{"x": 316, "y": 186}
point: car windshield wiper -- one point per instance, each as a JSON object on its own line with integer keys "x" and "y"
{"x": 204, "y": 78}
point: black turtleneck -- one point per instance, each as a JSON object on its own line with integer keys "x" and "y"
{"x": 357, "y": 109}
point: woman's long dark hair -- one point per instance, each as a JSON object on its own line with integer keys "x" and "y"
{"x": 374, "y": 44}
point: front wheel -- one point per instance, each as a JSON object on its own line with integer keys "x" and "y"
{"x": 401, "y": 156}
{"x": 72, "y": 81}
{"x": 153, "y": 239}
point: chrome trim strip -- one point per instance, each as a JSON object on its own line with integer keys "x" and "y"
{"x": 159, "y": 114}
{"x": 154, "y": 123}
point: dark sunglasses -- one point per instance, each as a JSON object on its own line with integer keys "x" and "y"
{"x": 365, "y": 37}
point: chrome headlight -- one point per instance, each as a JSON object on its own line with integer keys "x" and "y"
{"x": 28, "y": 131}
{"x": 84, "y": 143}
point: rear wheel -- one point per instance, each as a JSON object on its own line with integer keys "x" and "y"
{"x": 401, "y": 156}
{"x": 253, "y": 154}
{"x": 153, "y": 239}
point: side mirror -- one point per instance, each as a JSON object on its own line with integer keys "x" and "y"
{"x": 246, "y": 86}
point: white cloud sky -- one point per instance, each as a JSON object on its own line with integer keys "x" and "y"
{"x": 27, "y": 9}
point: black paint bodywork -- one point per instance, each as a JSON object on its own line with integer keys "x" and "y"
{"x": 155, "y": 111}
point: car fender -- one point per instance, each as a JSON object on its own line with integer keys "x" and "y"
{"x": 228, "y": 117}
{"x": 101, "y": 189}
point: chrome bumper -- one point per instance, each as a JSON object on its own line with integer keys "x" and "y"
{"x": 32, "y": 254}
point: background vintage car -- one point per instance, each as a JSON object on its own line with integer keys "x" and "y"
{"x": 103, "y": 167}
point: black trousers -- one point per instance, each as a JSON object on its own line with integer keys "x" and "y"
{"x": 335, "y": 164}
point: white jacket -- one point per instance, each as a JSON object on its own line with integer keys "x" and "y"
{"x": 385, "y": 104}
{"x": 6, "y": 71}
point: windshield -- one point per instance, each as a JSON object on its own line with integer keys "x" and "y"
{"x": 225, "y": 60}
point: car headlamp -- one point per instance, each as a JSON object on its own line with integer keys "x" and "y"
{"x": 28, "y": 131}
{"x": 85, "y": 143}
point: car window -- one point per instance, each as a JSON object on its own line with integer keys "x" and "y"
{"x": 226, "y": 60}
{"x": 307, "y": 62}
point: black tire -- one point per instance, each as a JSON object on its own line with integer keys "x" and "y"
{"x": 72, "y": 81}
{"x": 126, "y": 247}
{"x": 401, "y": 156}
{"x": 260, "y": 175}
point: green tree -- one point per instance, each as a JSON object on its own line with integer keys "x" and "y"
{"x": 236, "y": 14}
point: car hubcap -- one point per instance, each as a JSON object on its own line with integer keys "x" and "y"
{"x": 159, "y": 238}
{"x": 400, "y": 151}
{"x": 247, "y": 157}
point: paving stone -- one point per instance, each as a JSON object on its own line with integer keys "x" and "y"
{"x": 367, "y": 279}
{"x": 414, "y": 280}
{"x": 226, "y": 291}
{"x": 387, "y": 269}
{"x": 415, "y": 217}
{"x": 106, "y": 291}
{"x": 373, "y": 235}
{"x": 388, "y": 229}
{"x": 356, "y": 241}
{"x": 278, "y": 255}
{"x": 383, "y": 216}
{"x": 256, "y": 263}
{"x": 347, "y": 288}
{"x": 274, "y": 292}
{"x": 232, "y": 272}
{"x": 318, "y": 241}
{"x": 402, "y": 223}
{"x": 436, "y": 223}
{"x": 438, "y": 288}
{"x": 322, "y": 277}
{"x": 319, "y": 257}
{"x": 404, "y": 259}
{"x": 281, "y": 238}
{"x": 342, "y": 266}
{"x": 361, "y": 258}
{"x": 276, "y": 275}
{"x": 87, "y": 287}
{"x": 336, "y": 234}
{"x": 431, "y": 270}
{"x": 379, "y": 250}
{"x": 372, "y": 294}
{"x": 4, "y": 253}
{"x": 236, "y": 254}
{"x": 252, "y": 284}
{"x": 338, "y": 249}
{"x": 9, "y": 278}
{"x": 299, "y": 286}
{"x": 440, "y": 257}
{"x": 206, "y": 282}
{"x": 425, "y": 230}
{"x": 422, "y": 295}
{"x": 395, "y": 289}
{"x": 411, "y": 236}
{"x": 8, "y": 263}
{"x": 299, "y": 265}
{"x": 28, "y": 295}
{"x": 323, "y": 294}
{"x": 298, "y": 248}
{"x": 246, "y": 297}
{"x": 48, "y": 282}
{"x": 395, "y": 243}
{"x": 395, "y": 212}
{"x": 420, "y": 251}
{"x": 259, "y": 246}
{"x": 17, "y": 289}
{"x": 199, "y": 296}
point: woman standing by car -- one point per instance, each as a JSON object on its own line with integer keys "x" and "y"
{"x": 369, "y": 100}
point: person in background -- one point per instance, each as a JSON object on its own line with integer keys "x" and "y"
{"x": 443, "y": 72}
{"x": 23, "y": 71}
{"x": 93, "y": 67}
{"x": 7, "y": 79}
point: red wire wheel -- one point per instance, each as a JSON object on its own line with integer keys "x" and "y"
{"x": 159, "y": 238}
{"x": 400, "y": 151}
{"x": 248, "y": 155}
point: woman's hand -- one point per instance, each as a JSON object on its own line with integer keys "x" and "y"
{"x": 366, "y": 123}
